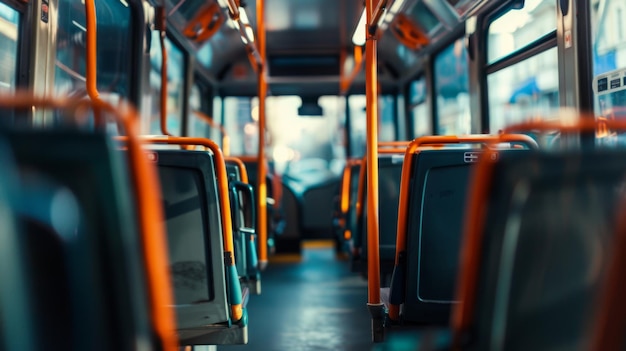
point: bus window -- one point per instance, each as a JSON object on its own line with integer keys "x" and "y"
{"x": 114, "y": 49}
{"x": 420, "y": 116}
{"x": 197, "y": 126}
{"x": 512, "y": 32}
{"x": 358, "y": 118}
{"x": 527, "y": 88}
{"x": 609, "y": 66}
{"x": 608, "y": 35}
{"x": 523, "y": 91}
{"x": 175, "y": 86}
{"x": 241, "y": 124}
{"x": 305, "y": 148}
{"x": 9, "y": 24}
{"x": 452, "y": 88}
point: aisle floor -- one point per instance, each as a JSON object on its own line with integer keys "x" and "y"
{"x": 314, "y": 304}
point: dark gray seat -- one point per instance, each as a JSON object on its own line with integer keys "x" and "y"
{"x": 86, "y": 279}
{"x": 243, "y": 211}
{"x": 550, "y": 220}
{"x": 202, "y": 287}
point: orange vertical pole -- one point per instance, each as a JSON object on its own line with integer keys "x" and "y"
{"x": 376, "y": 308}
{"x": 161, "y": 18}
{"x": 262, "y": 186}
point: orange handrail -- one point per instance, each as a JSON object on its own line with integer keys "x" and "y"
{"x": 346, "y": 82}
{"x": 242, "y": 167}
{"x": 163, "y": 96}
{"x": 262, "y": 186}
{"x": 145, "y": 181}
{"x": 91, "y": 56}
{"x": 213, "y": 124}
{"x": 462, "y": 315}
{"x": 346, "y": 183}
{"x": 382, "y": 149}
{"x": 397, "y": 143}
{"x": 371, "y": 93}
{"x": 91, "y": 52}
{"x": 407, "y": 165}
{"x": 222, "y": 179}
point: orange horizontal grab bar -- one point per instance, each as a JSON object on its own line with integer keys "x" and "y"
{"x": 435, "y": 140}
{"x": 213, "y": 124}
{"x": 145, "y": 180}
{"x": 242, "y": 167}
{"x": 383, "y": 144}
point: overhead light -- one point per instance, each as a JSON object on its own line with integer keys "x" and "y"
{"x": 250, "y": 33}
{"x": 243, "y": 16}
{"x": 396, "y": 6}
{"x": 358, "y": 38}
{"x": 223, "y": 3}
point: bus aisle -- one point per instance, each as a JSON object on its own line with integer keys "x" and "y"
{"x": 314, "y": 303}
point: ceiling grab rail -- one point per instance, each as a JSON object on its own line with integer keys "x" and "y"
{"x": 213, "y": 124}
{"x": 255, "y": 55}
{"x": 144, "y": 180}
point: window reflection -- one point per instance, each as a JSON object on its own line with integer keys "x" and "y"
{"x": 526, "y": 90}
{"x": 9, "y": 23}
{"x": 452, "y": 87}
{"x": 512, "y": 31}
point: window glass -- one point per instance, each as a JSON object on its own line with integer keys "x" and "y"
{"x": 299, "y": 146}
{"x": 452, "y": 88}
{"x": 520, "y": 27}
{"x": 609, "y": 65}
{"x": 422, "y": 123}
{"x": 421, "y": 120}
{"x": 358, "y": 122}
{"x": 608, "y": 35}
{"x": 175, "y": 85}
{"x": 197, "y": 126}
{"x": 241, "y": 125}
{"x": 114, "y": 49}
{"x": 9, "y": 24}
{"x": 306, "y": 148}
{"x": 526, "y": 90}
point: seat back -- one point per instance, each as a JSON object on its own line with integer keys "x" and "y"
{"x": 102, "y": 301}
{"x": 195, "y": 243}
{"x": 438, "y": 192}
{"x": 389, "y": 175}
{"x": 17, "y": 325}
{"x": 544, "y": 246}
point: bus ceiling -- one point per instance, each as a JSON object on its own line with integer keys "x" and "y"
{"x": 310, "y": 43}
